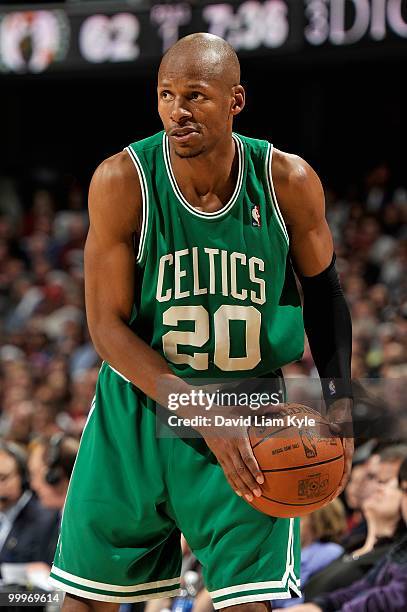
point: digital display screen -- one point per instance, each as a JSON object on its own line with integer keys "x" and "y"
{"x": 40, "y": 40}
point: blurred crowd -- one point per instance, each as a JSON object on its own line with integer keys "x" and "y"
{"x": 48, "y": 364}
{"x": 48, "y": 371}
{"x": 370, "y": 237}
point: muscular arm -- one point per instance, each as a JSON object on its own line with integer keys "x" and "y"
{"x": 326, "y": 315}
{"x": 301, "y": 199}
{"x": 115, "y": 219}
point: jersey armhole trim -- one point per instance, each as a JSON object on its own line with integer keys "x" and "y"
{"x": 145, "y": 203}
{"x": 273, "y": 197}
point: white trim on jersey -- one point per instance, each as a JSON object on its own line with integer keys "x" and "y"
{"x": 192, "y": 209}
{"x": 273, "y": 197}
{"x": 118, "y": 373}
{"x": 145, "y": 201}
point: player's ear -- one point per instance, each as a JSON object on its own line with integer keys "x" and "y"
{"x": 239, "y": 98}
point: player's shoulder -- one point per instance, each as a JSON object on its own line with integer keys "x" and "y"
{"x": 291, "y": 170}
{"x": 116, "y": 169}
{"x": 124, "y": 167}
{"x": 298, "y": 188}
{"x": 115, "y": 194}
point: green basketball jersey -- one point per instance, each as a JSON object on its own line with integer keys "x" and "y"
{"x": 217, "y": 295}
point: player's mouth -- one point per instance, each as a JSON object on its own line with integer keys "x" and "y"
{"x": 183, "y": 134}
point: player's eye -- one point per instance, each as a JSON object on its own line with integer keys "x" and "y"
{"x": 195, "y": 95}
{"x": 166, "y": 95}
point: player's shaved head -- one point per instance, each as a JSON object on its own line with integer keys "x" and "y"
{"x": 199, "y": 92}
{"x": 202, "y": 56}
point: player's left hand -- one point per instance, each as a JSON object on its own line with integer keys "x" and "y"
{"x": 340, "y": 419}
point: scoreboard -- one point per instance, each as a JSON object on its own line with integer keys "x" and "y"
{"x": 59, "y": 38}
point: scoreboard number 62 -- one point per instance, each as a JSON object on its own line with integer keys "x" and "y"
{"x": 110, "y": 39}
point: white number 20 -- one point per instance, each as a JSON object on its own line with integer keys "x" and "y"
{"x": 200, "y": 335}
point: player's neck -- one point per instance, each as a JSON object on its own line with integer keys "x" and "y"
{"x": 209, "y": 176}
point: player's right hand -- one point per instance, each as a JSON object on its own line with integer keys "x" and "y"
{"x": 236, "y": 457}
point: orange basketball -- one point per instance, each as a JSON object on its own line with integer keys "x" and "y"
{"x": 302, "y": 462}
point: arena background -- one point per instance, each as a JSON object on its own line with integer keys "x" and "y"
{"x": 324, "y": 78}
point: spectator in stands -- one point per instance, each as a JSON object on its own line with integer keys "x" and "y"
{"x": 24, "y": 523}
{"x": 361, "y": 485}
{"x": 354, "y": 494}
{"x": 384, "y": 588}
{"x": 384, "y": 527}
{"x": 50, "y": 464}
{"x": 19, "y": 423}
{"x": 320, "y": 533}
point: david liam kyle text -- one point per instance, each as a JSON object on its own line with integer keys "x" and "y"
{"x": 253, "y": 420}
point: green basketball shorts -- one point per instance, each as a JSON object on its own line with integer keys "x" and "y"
{"x": 133, "y": 492}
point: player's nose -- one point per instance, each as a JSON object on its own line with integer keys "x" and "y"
{"x": 179, "y": 112}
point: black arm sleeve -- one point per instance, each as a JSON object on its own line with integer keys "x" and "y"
{"x": 329, "y": 329}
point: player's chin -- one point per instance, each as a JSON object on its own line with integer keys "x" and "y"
{"x": 187, "y": 151}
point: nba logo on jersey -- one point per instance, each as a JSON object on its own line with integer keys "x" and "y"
{"x": 256, "y": 219}
{"x": 332, "y": 388}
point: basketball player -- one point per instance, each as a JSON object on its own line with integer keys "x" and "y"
{"x": 188, "y": 274}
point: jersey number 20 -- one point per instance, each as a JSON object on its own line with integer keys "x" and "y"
{"x": 197, "y": 338}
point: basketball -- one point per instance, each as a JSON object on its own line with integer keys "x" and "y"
{"x": 302, "y": 462}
